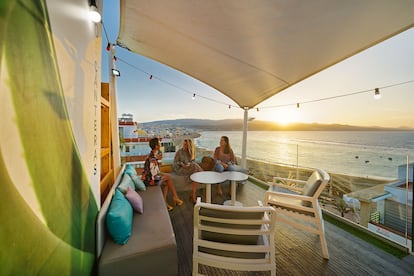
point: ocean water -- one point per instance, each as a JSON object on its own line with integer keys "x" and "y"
{"x": 360, "y": 153}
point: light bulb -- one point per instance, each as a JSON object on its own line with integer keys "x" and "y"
{"x": 116, "y": 72}
{"x": 377, "y": 94}
{"x": 94, "y": 15}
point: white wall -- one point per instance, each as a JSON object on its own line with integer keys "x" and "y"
{"x": 78, "y": 47}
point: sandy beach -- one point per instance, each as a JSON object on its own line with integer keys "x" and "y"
{"x": 339, "y": 185}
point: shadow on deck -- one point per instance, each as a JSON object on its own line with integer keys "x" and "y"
{"x": 297, "y": 252}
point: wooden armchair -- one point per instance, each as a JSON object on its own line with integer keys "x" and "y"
{"x": 234, "y": 237}
{"x": 299, "y": 206}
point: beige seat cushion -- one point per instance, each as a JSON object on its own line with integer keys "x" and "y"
{"x": 231, "y": 238}
{"x": 313, "y": 183}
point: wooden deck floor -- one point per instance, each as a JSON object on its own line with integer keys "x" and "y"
{"x": 297, "y": 252}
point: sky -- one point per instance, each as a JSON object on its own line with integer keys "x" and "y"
{"x": 168, "y": 95}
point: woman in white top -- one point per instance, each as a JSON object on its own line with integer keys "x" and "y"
{"x": 184, "y": 164}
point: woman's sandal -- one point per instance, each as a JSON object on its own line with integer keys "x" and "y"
{"x": 178, "y": 202}
{"x": 169, "y": 208}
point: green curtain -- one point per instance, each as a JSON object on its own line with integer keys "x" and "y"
{"x": 66, "y": 243}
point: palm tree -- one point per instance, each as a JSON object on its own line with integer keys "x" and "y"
{"x": 341, "y": 206}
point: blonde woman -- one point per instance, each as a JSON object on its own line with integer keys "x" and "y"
{"x": 184, "y": 164}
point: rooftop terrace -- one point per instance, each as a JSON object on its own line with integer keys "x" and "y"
{"x": 297, "y": 252}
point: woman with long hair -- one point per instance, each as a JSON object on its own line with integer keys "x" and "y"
{"x": 184, "y": 164}
{"x": 225, "y": 159}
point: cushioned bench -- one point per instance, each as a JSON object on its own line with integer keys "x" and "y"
{"x": 181, "y": 183}
{"x": 151, "y": 248}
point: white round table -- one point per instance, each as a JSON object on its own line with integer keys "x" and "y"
{"x": 234, "y": 176}
{"x": 208, "y": 178}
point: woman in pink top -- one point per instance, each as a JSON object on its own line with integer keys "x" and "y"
{"x": 225, "y": 159}
{"x": 224, "y": 156}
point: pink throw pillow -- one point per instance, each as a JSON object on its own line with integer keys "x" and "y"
{"x": 135, "y": 199}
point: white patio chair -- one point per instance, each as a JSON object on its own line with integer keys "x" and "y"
{"x": 234, "y": 237}
{"x": 298, "y": 206}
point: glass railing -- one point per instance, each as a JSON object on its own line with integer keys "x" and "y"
{"x": 371, "y": 188}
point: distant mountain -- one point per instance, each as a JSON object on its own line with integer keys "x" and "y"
{"x": 237, "y": 124}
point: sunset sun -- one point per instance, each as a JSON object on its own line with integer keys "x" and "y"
{"x": 286, "y": 116}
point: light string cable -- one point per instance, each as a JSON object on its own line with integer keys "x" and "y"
{"x": 106, "y": 33}
{"x": 335, "y": 97}
{"x": 192, "y": 93}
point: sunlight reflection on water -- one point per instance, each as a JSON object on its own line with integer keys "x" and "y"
{"x": 357, "y": 153}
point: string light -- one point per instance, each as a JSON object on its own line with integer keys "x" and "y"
{"x": 377, "y": 94}
{"x": 116, "y": 72}
{"x": 172, "y": 84}
{"x": 340, "y": 96}
{"x": 94, "y": 14}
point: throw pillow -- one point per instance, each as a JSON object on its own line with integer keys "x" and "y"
{"x": 139, "y": 184}
{"x": 126, "y": 182}
{"x": 130, "y": 170}
{"x": 119, "y": 218}
{"x": 207, "y": 163}
{"x": 135, "y": 199}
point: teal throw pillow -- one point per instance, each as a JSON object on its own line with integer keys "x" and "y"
{"x": 126, "y": 182}
{"x": 119, "y": 218}
{"x": 130, "y": 170}
{"x": 139, "y": 184}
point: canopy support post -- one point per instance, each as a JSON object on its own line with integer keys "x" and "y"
{"x": 244, "y": 141}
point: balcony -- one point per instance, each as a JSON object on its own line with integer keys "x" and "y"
{"x": 353, "y": 250}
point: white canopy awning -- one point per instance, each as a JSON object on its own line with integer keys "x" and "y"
{"x": 250, "y": 50}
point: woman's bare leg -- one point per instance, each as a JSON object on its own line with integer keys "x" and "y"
{"x": 165, "y": 192}
{"x": 193, "y": 197}
{"x": 169, "y": 183}
{"x": 194, "y": 188}
{"x": 219, "y": 190}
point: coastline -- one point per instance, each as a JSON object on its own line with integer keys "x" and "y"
{"x": 339, "y": 185}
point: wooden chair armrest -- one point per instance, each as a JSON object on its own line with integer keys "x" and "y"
{"x": 291, "y": 205}
{"x": 292, "y": 196}
{"x": 284, "y": 186}
{"x": 275, "y": 178}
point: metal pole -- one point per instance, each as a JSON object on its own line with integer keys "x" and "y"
{"x": 408, "y": 177}
{"x": 244, "y": 142}
{"x": 116, "y": 156}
